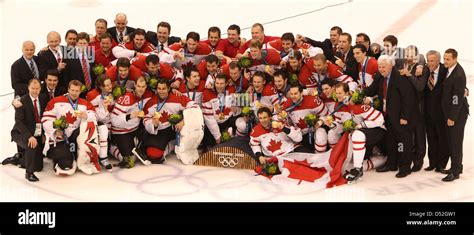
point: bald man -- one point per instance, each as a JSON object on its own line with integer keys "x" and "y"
{"x": 121, "y": 31}
{"x": 53, "y": 58}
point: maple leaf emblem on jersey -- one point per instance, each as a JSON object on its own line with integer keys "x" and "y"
{"x": 301, "y": 124}
{"x": 187, "y": 65}
{"x": 70, "y": 118}
{"x": 164, "y": 116}
{"x": 274, "y": 145}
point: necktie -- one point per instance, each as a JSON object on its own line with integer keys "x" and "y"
{"x": 85, "y": 71}
{"x": 37, "y": 117}
{"x": 120, "y": 39}
{"x": 58, "y": 57}
{"x": 162, "y": 47}
{"x": 33, "y": 70}
{"x": 51, "y": 94}
{"x": 334, "y": 49}
{"x": 385, "y": 87}
{"x": 431, "y": 81}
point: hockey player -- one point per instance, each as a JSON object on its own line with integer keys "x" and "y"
{"x": 157, "y": 112}
{"x": 136, "y": 47}
{"x": 328, "y": 91}
{"x": 208, "y": 69}
{"x": 73, "y": 109}
{"x": 102, "y": 100}
{"x": 297, "y": 108}
{"x": 264, "y": 95}
{"x": 326, "y": 69}
{"x": 369, "y": 130}
{"x": 280, "y": 80}
{"x": 272, "y": 139}
{"x": 126, "y": 118}
{"x": 150, "y": 65}
{"x": 218, "y": 109}
{"x": 193, "y": 86}
{"x": 367, "y": 66}
{"x": 235, "y": 77}
{"x": 190, "y": 54}
{"x": 261, "y": 58}
{"x": 123, "y": 73}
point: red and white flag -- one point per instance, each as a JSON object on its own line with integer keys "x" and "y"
{"x": 321, "y": 170}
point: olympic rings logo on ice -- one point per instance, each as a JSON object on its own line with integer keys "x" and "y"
{"x": 228, "y": 161}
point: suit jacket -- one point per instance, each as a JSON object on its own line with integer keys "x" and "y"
{"x": 433, "y": 98}
{"x": 74, "y": 71}
{"x": 352, "y": 67}
{"x": 25, "y": 122}
{"x": 453, "y": 102}
{"x": 326, "y": 45}
{"x": 113, "y": 32}
{"x": 21, "y": 74}
{"x": 48, "y": 61}
{"x": 57, "y": 92}
{"x": 151, "y": 37}
{"x": 400, "y": 97}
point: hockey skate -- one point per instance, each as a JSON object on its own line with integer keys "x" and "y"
{"x": 353, "y": 175}
{"x": 105, "y": 163}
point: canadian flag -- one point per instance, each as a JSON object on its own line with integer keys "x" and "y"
{"x": 322, "y": 170}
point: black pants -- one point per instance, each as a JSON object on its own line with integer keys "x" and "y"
{"x": 436, "y": 134}
{"x": 420, "y": 139}
{"x": 160, "y": 140}
{"x": 62, "y": 153}
{"x": 33, "y": 157}
{"x": 399, "y": 143}
{"x": 126, "y": 143}
{"x": 455, "y": 140}
{"x": 373, "y": 136}
{"x": 209, "y": 141}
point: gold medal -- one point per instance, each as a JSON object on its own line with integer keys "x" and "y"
{"x": 221, "y": 116}
{"x": 258, "y": 104}
{"x": 141, "y": 114}
{"x": 77, "y": 113}
{"x": 283, "y": 114}
{"x": 157, "y": 115}
{"x": 109, "y": 98}
{"x": 314, "y": 93}
{"x": 274, "y": 124}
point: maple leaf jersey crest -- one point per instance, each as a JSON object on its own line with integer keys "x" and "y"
{"x": 274, "y": 145}
{"x": 70, "y": 118}
{"x": 301, "y": 123}
{"x": 164, "y": 116}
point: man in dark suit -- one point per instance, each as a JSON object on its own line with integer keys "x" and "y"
{"x": 329, "y": 45}
{"x": 455, "y": 110}
{"x": 435, "y": 124}
{"x": 50, "y": 87}
{"x": 162, "y": 39}
{"x": 121, "y": 31}
{"x": 397, "y": 97}
{"x": 344, "y": 57}
{"x": 27, "y": 131}
{"x": 52, "y": 58}
{"x": 25, "y": 68}
{"x": 80, "y": 67}
{"x": 414, "y": 70}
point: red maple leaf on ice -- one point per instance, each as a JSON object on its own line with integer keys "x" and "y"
{"x": 301, "y": 124}
{"x": 274, "y": 145}
{"x": 164, "y": 116}
{"x": 70, "y": 118}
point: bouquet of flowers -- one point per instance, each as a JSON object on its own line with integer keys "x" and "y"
{"x": 225, "y": 136}
{"x": 293, "y": 79}
{"x": 247, "y": 111}
{"x": 377, "y": 103}
{"x": 245, "y": 62}
{"x": 358, "y": 97}
{"x": 175, "y": 119}
{"x": 334, "y": 96}
{"x": 118, "y": 91}
{"x": 269, "y": 168}
{"x": 98, "y": 69}
{"x": 83, "y": 88}
{"x": 152, "y": 82}
{"x": 349, "y": 125}
{"x": 60, "y": 123}
{"x": 311, "y": 119}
